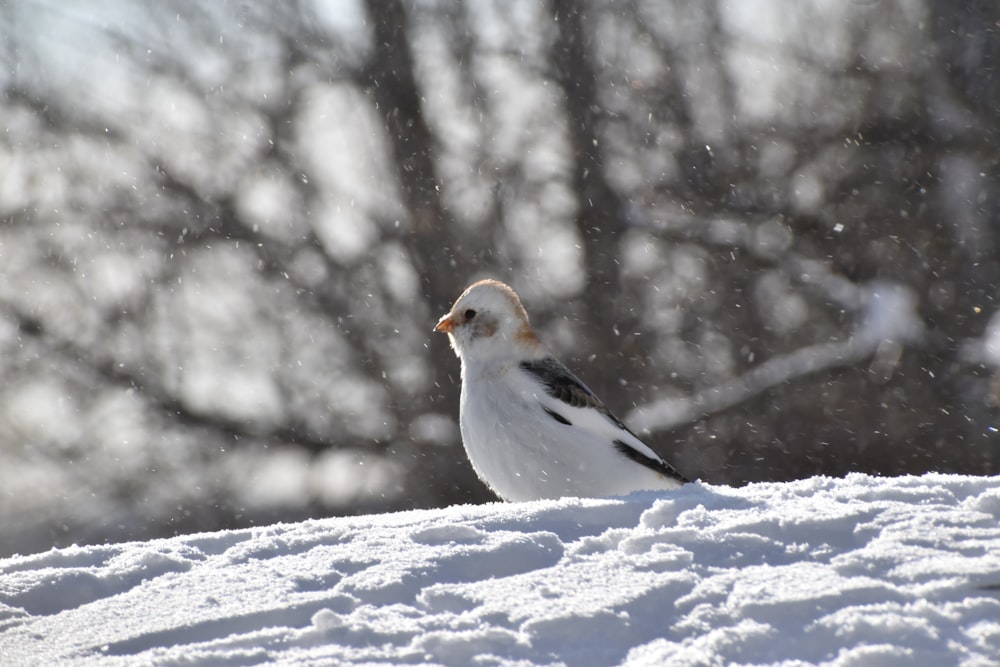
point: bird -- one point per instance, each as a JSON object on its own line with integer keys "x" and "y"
{"x": 531, "y": 428}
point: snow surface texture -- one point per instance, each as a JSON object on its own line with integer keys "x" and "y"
{"x": 856, "y": 571}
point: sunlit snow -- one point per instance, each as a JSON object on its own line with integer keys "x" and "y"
{"x": 855, "y": 571}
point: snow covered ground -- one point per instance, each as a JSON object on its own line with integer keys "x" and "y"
{"x": 856, "y": 571}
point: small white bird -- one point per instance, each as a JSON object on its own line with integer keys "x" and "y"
{"x": 531, "y": 428}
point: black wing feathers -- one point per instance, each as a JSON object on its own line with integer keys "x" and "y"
{"x": 558, "y": 417}
{"x": 560, "y": 383}
{"x": 658, "y": 465}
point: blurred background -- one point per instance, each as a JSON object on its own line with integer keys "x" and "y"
{"x": 767, "y": 233}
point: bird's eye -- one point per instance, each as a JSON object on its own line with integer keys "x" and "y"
{"x": 469, "y": 314}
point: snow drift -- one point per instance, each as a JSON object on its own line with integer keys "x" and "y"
{"x": 855, "y": 571}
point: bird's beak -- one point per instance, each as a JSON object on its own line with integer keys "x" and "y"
{"x": 445, "y": 324}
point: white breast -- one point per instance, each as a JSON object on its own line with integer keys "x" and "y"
{"x": 522, "y": 453}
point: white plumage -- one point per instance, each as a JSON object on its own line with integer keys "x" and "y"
{"x": 531, "y": 428}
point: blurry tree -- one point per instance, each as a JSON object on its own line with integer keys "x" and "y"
{"x": 766, "y": 231}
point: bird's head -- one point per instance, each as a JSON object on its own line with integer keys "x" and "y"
{"x": 488, "y": 321}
